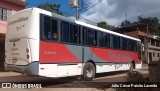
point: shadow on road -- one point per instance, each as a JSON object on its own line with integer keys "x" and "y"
{"x": 110, "y": 74}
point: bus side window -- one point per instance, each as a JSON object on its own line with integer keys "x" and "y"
{"x": 100, "y": 39}
{"x": 129, "y": 45}
{"x": 135, "y": 46}
{"x": 41, "y": 27}
{"x": 106, "y": 40}
{"x": 65, "y": 32}
{"x": 74, "y": 34}
{"x": 95, "y": 38}
{"x": 80, "y": 35}
{"x": 47, "y": 28}
{"x": 121, "y": 43}
{"x": 111, "y": 41}
{"x": 116, "y": 42}
{"x": 55, "y": 30}
{"x": 90, "y": 37}
{"x": 84, "y": 36}
{"x": 125, "y": 44}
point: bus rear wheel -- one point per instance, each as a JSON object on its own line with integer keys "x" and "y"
{"x": 88, "y": 71}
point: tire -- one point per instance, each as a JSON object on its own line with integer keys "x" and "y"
{"x": 88, "y": 71}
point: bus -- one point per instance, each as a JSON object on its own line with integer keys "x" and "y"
{"x": 39, "y": 42}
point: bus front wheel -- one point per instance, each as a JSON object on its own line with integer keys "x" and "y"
{"x": 88, "y": 71}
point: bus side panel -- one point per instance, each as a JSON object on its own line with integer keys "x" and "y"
{"x": 108, "y": 60}
{"x": 56, "y": 53}
{"x": 115, "y": 56}
{"x": 78, "y": 53}
{"x": 108, "y": 55}
{"x": 60, "y": 60}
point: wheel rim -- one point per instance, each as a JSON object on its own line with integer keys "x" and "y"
{"x": 89, "y": 72}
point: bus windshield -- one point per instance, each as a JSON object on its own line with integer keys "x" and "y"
{"x": 18, "y": 23}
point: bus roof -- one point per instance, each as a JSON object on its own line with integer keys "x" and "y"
{"x": 38, "y": 10}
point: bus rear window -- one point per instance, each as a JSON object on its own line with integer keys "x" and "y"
{"x": 18, "y": 23}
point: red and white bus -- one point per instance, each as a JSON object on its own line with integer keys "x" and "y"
{"x": 42, "y": 43}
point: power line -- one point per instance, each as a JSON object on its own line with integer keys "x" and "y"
{"x": 88, "y": 21}
{"x": 91, "y": 22}
{"x": 73, "y": 13}
{"x": 92, "y": 6}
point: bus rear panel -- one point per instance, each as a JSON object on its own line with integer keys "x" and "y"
{"x": 21, "y": 44}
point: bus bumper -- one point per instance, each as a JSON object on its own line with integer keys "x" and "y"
{"x": 30, "y": 69}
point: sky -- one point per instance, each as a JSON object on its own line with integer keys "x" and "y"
{"x": 111, "y": 11}
{"x": 64, "y": 5}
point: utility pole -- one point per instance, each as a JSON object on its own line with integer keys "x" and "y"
{"x": 147, "y": 46}
{"x": 75, "y": 4}
{"x": 77, "y": 10}
{"x": 126, "y": 16}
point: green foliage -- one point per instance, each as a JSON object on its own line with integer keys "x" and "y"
{"x": 152, "y": 22}
{"x": 125, "y": 23}
{"x": 148, "y": 20}
{"x": 52, "y": 7}
{"x": 104, "y": 25}
{"x": 134, "y": 76}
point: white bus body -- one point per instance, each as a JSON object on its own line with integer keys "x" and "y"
{"x": 22, "y": 47}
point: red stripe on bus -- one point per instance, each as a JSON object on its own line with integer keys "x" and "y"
{"x": 110, "y": 55}
{"x": 55, "y": 53}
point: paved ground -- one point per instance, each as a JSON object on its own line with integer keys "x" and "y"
{"x": 69, "y": 84}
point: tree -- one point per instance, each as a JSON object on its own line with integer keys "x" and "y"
{"x": 52, "y": 7}
{"x": 152, "y": 22}
{"x": 148, "y": 20}
{"x": 125, "y": 23}
{"x": 104, "y": 25}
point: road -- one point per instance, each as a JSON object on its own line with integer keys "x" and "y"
{"x": 70, "y": 82}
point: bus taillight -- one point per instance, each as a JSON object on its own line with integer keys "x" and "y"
{"x": 27, "y": 50}
{"x": 27, "y": 56}
{"x": 42, "y": 68}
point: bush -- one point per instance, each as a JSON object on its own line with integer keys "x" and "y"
{"x": 134, "y": 76}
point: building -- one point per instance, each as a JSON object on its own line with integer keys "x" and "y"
{"x": 7, "y": 8}
{"x": 150, "y": 43}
